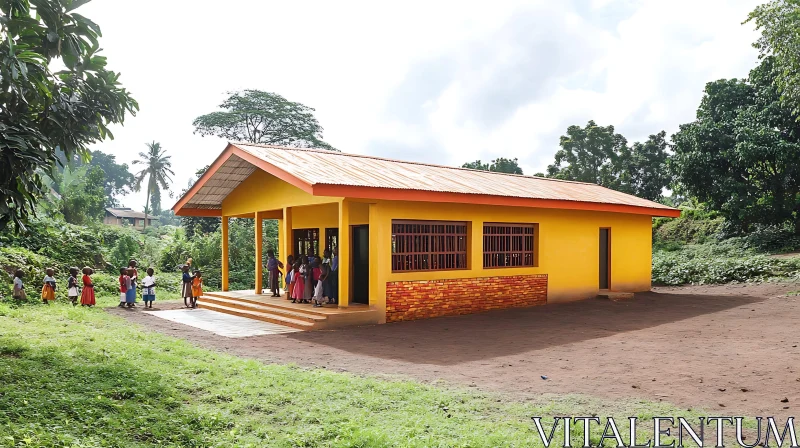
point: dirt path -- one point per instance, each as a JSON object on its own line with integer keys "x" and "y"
{"x": 691, "y": 346}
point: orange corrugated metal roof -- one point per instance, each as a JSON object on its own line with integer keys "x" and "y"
{"x": 320, "y": 172}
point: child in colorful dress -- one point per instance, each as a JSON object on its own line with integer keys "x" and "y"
{"x": 130, "y": 294}
{"x": 124, "y": 282}
{"x": 72, "y": 286}
{"x": 19, "y": 287}
{"x": 87, "y": 295}
{"x": 149, "y": 288}
{"x": 287, "y": 279}
{"x": 316, "y": 277}
{"x": 299, "y": 282}
{"x": 134, "y": 275}
{"x": 197, "y": 287}
{"x": 49, "y": 286}
{"x": 186, "y": 287}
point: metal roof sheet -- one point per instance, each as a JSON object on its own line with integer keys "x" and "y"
{"x": 321, "y": 167}
{"x": 128, "y": 213}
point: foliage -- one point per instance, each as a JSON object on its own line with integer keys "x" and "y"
{"x": 197, "y": 225}
{"x": 719, "y": 263}
{"x": 158, "y": 170}
{"x": 263, "y": 117}
{"x": 742, "y": 153}
{"x": 778, "y": 21}
{"x": 692, "y": 227}
{"x": 76, "y": 377}
{"x": 65, "y": 244}
{"x": 41, "y": 110}
{"x": 498, "y": 165}
{"x": 83, "y": 197}
{"x": 124, "y": 250}
{"x": 118, "y": 180}
{"x": 596, "y": 154}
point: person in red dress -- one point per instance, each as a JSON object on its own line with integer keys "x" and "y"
{"x": 87, "y": 295}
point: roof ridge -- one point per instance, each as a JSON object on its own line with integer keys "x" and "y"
{"x": 365, "y": 156}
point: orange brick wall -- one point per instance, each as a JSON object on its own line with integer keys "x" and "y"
{"x": 434, "y": 298}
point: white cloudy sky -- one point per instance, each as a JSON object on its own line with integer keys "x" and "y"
{"x": 444, "y": 82}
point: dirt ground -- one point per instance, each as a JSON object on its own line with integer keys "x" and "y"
{"x": 732, "y": 346}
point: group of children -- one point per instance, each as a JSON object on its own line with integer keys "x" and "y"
{"x": 309, "y": 278}
{"x": 192, "y": 285}
{"x": 49, "y": 287}
{"x": 128, "y": 282}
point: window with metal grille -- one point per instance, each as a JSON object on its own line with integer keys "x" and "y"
{"x": 509, "y": 245}
{"x": 428, "y": 245}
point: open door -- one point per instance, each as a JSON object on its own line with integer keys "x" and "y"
{"x": 605, "y": 258}
{"x": 360, "y": 267}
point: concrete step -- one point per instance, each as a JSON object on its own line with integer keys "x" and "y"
{"x": 269, "y": 308}
{"x": 272, "y": 305}
{"x": 262, "y": 316}
{"x": 615, "y": 295}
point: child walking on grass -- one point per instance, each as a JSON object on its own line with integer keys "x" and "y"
{"x": 149, "y": 288}
{"x": 73, "y": 291}
{"x": 49, "y": 286}
{"x": 19, "y": 288}
{"x": 130, "y": 294}
{"x": 87, "y": 295}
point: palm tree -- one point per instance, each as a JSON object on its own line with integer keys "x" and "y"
{"x": 157, "y": 168}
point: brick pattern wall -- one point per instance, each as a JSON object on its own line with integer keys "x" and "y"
{"x": 433, "y": 298}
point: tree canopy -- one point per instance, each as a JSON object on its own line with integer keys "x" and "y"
{"x": 779, "y": 22}
{"x": 742, "y": 153}
{"x": 498, "y": 165}
{"x": 599, "y": 155}
{"x": 263, "y": 117}
{"x": 41, "y": 110}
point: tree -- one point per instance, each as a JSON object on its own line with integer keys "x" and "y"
{"x": 158, "y": 170}
{"x": 262, "y": 117}
{"x": 596, "y": 154}
{"x": 41, "y": 110}
{"x": 193, "y": 225}
{"x": 82, "y": 195}
{"x": 779, "y": 22}
{"x": 498, "y": 165}
{"x": 742, "y": 153}
{"x": 591, "y": 154}
{"x": 118, "y": 178}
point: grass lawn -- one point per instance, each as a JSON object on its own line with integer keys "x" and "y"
{"x": 79, "y": 377}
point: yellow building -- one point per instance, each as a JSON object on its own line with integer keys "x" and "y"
{"x": 417, "y": 240}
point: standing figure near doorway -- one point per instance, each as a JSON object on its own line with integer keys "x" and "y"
{"x": 298, "y": 282}
{"x": 274, "y": 268}
{"x": 326, "y": 275}
{"x": 334, "y": 297}
{"x": 308, "y": 287}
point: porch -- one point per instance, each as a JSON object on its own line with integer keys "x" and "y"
{"x": 279, "y": 310}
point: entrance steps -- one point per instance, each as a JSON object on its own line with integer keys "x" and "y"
{"x": 615, "y": 295}
{"x": 282, "y": 312}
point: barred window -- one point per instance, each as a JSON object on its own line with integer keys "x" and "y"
{"x": 428, "y": 245}
{"x": 509, "y": 245}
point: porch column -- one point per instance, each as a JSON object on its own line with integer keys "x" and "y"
{"x": 224, "y": 253}
{"x": 285, "y": 236}
{"x": 259, "y": 249}
{"x": 344, "y": 254}
{"x": 475, "y": 245}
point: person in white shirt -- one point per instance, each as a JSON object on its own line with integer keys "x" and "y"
{"x": 149, "y": 288}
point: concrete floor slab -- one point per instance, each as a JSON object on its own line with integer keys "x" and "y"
{"x": 222, "y": 324}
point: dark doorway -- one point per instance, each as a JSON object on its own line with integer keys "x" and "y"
{"x": 332, "y": 238}
{"x": 305, "y": 239}
{"x": 605, "y": 258}
{"x": 360, "y": 259}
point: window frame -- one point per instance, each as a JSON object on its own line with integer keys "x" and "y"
{"x": 431, "y": 254}
{"x": 534, "y": 251}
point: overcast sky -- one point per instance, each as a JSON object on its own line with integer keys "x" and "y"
{"x": 434, "y": 81}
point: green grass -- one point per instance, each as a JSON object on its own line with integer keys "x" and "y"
{"x": 79, "y": 377}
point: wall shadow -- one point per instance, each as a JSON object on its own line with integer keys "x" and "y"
{"x": 454, "y": 340}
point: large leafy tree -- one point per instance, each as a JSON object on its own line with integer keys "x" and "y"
{"x": 262, "y": 117}
{"x": 742, "y": 153}
{"x": 498, "y": 165}
{"x": 157, "y": 168}
{"x": 779, "y": 22}
{"x": 41, "y": 110}
{"x": 82, "y": 195}
{"x": 596, "y": 154}
{"x": 118, "y": 178}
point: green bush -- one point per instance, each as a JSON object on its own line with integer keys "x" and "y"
{"x": 688, "y": 229}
